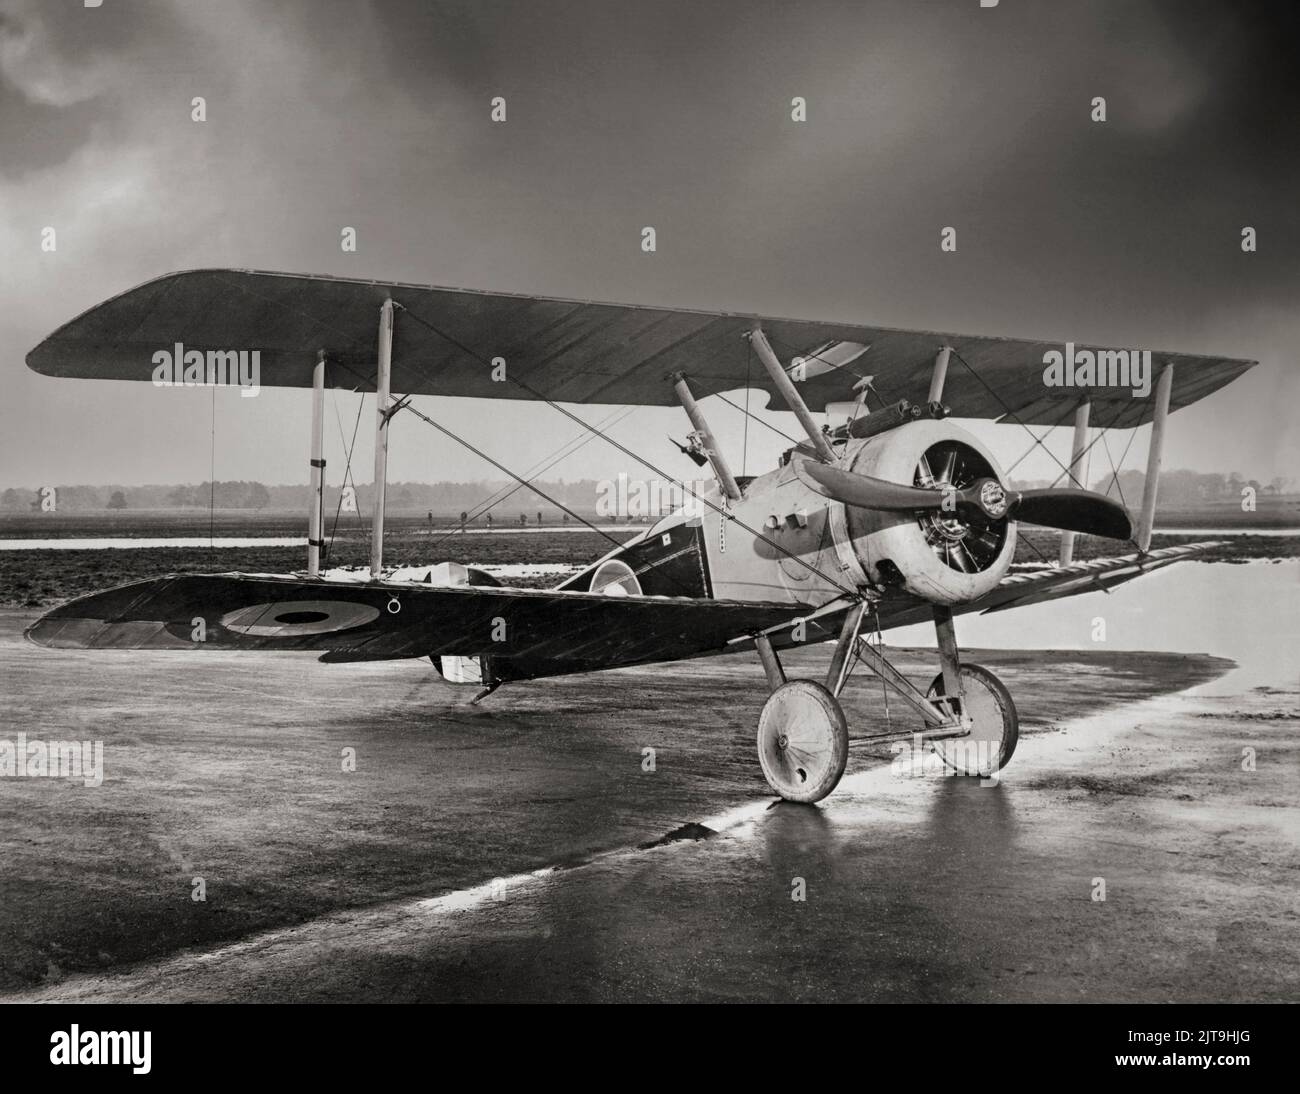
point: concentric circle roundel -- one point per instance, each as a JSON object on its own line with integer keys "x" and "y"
{"x": 290, "y": 618}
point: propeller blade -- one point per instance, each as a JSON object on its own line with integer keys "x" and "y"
{"x": 863, "y": 490}
{"x": 1068, "y": 509}
{"x": 1073, "y": 511}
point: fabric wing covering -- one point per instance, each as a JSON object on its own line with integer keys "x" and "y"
{"x": 566, "y": 350}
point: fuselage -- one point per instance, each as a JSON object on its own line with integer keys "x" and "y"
{"x": 783, "y": 542}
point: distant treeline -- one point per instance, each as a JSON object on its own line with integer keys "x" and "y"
{"x": 442, "y": 497}
{"x": 1177, "y": 488}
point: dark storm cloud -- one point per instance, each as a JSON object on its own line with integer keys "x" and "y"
{"x": 921, "y": 115}
{"x": 39, "y": 136}
{"x": 1248, "y": 126}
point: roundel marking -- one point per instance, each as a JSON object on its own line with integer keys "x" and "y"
{"x": 290, "y": 618}
{"x": 301, "y": 617}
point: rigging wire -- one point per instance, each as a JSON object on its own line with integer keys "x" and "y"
{"x": 1101, "y": 436}
{"x": 502, "y": 467}
{"x": 1030, "y": 450}
{"x": 524, "y": 482}
{"x": 1114, "y": 478}
{"x": 721, "y": 510}
{"x": 718, "y": 395}
{"x": 1101, "y": 431}
{"x": 1015, "y": 417}
{"x": 521, "y": 481}
{"x": 212, "y": 477}
{"x": 1012, "y": 414}
{"x": 398, "y": 404}
{"x": 347, "y": 468}
{"x": 545, "y": 464}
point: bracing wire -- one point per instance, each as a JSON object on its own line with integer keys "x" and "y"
{"x": 212, "y": 475}
{"x": 721, "y": 510}
{"x": 545, "y": 464}
{"x": 347, "y": 469}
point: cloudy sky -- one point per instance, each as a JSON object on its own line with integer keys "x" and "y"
{"x": 323, "y": 114}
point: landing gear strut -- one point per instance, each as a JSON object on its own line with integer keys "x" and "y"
{"x": 968, "y": 716}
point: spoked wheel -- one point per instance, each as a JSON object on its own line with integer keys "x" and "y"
{"x": 803, "y": 741}
{"x": 995, "y": 726}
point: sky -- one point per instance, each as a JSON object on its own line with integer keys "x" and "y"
{"x": 322, "y": 115}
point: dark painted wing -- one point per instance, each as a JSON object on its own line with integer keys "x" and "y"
{"x": 568, "y": 350}
{"x": 533, "y": 629}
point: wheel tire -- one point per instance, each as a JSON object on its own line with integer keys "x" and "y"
{"x": 803, "y": 741}
{"x": 996, "y": 728}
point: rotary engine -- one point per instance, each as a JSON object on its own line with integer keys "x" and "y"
{"x": 947, "y": 555}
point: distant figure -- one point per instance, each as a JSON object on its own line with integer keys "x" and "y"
{"x": 431, "y": 519}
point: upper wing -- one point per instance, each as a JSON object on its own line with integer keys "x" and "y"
{"x": 567, "y": 350}
{"x": 365, "y": 621}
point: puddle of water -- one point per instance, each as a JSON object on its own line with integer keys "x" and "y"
{"x": 464, "y": 899}
{"x": 1234, "y": 531}
{"x": 1248, "y": 612}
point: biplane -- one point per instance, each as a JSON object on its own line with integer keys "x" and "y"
{"x": 883, "y": 513}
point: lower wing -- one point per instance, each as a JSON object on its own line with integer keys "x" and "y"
{"x": 526, "y": 632}
{"x": 1053, "y": 583}
{"x": 362, "y": 621}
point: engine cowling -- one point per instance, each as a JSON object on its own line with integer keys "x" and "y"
{"x": 943, "y": 556}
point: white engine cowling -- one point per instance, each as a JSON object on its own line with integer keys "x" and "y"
{"x": 935, "y": 554}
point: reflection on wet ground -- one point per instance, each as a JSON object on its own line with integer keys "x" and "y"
{"x": 896, "y": 888}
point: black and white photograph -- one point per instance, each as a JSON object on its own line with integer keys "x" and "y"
{"x": 651, "y": 502}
